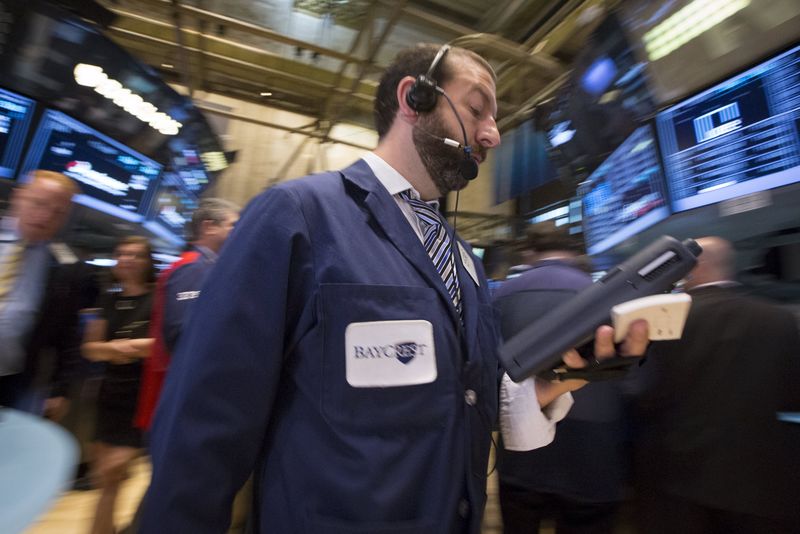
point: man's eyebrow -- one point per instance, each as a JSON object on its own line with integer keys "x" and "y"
{"x": 476, "y": 87}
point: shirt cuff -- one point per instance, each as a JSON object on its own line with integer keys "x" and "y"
{"x": 523, "y": 424}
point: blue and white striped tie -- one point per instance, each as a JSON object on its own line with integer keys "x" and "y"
{"x": 438, "y": 245}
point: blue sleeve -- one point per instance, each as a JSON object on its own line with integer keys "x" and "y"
{"x": 219, "y": 394}
{"x": 183, "y": 286}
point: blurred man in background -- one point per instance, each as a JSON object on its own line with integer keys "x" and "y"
{"x": 578, "y": 479}
{"x": 42, "y": 288}
{"x": 176, "y": 292}
{"x": 712, "y": 455}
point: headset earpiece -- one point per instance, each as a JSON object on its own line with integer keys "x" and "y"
{"x": 422, "y": 95}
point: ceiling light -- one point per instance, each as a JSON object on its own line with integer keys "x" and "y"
{"x": 266, "y": 93}
{"x": 168, "y": 65}
{"x": 93, "y": 76}
{"x": 687, "y": 23}
{"x": 89, "y": 75}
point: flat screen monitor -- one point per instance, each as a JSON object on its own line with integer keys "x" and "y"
{"x": 171, "y": 209}
{"x": 736, "y": 138}
{"x": 192, "y": 173}
{"x": 113, "y": 178}
{"x": 625, "y": 194}
{"x": 15, "y": 119}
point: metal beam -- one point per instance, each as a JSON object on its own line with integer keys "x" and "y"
{"x": 374, "y": 46}
{"x": 185, "y": 68}
{"x": 233, "y": 61}
{"x": 366, "y": 28}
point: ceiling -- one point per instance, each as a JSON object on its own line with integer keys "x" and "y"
{"x": 323, "y": 58}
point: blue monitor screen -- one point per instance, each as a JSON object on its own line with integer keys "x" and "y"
{"x": 738, "y": 137}
{"x": 113, "y": 178}
{"x": 185, "y": 161}
{"x": 172, "y": 209}
{"x": 15, "y": 119}
{"x": 625, "y": 194}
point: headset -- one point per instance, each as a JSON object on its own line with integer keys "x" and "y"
{"x": 422, "y": 98}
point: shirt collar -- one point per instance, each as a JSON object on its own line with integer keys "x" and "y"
{"x": 390, "y": 179}
{"x": 207, "y": 252}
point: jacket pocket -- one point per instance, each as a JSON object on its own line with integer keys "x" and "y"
{"x": 395, "y": 408}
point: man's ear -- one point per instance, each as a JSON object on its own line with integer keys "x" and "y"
{"x": 206, "y": 226}
{"x": 404, "y": 111}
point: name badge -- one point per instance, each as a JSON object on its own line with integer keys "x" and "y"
{"x": 469, "y": 265}
{"x": 381, "y": 354}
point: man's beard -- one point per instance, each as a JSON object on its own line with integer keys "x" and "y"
{"x": 440, "y": 160}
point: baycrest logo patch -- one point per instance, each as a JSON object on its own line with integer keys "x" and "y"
{"x": 390, "y": 353}
{"x": 403, "y": 352}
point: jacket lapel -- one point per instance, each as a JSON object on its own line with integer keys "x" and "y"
{"x": 470, "y": 303}
{"x": 383, "y": 209}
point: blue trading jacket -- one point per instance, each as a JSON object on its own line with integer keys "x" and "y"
{"x": 259, "y": 381}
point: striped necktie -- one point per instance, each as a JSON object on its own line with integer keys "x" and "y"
{"x": 10, "y": 264}
{"x": 437, "y": 244}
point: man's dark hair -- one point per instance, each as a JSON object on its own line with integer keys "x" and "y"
{"x": 210, "y": 209}
{"x": 414, "y": 62}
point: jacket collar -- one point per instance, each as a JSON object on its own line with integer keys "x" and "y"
{"x": 383, "y": 208}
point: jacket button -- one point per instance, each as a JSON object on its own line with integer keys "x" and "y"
{"x": 463, "y": 508}
{"x": 470, "y": 397}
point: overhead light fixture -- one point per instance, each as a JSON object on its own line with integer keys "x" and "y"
{"x": 94, "y": 77}
{"x": 168, "y": 65}
{"x": 266, "y": 93}
{"x": 214, "y": 161}
{"x": 687, "y": 23}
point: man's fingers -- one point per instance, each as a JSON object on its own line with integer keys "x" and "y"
{"x": 604, "y": 343}
{"x": 573, "y": 359}
{"x": 635, "y": 343}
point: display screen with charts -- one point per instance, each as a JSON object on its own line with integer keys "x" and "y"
{"x": 625, "y": 194}
{"x": 114, "y": 178}
{"x": 739, "y": 137}
{"x": 15, "y": 119}
{"x": 171, "y": 209}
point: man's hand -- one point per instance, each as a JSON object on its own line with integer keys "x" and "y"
{"x": 55, "y": 408}
{"x": 634, "y": 345}
{"x": 123, "y": 351}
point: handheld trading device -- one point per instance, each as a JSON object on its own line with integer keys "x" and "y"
{"x": 539, "y": 348}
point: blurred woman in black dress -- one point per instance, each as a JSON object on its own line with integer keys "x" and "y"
{"x": 118, "y": 336}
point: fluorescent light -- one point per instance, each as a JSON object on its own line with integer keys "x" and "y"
{"x": 687, "y": 23}
{"x": 93, "y": 76}
{"x": 266, "y": 93}
{"x": 168, "y": 65}
{"x": 102, "y": 262}
{"x": 121, "y": 97}
{"x": 109, "y": 88}
{"x": 89, "y": 75}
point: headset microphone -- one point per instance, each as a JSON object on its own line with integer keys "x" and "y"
{"x": 467, "y": 167}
